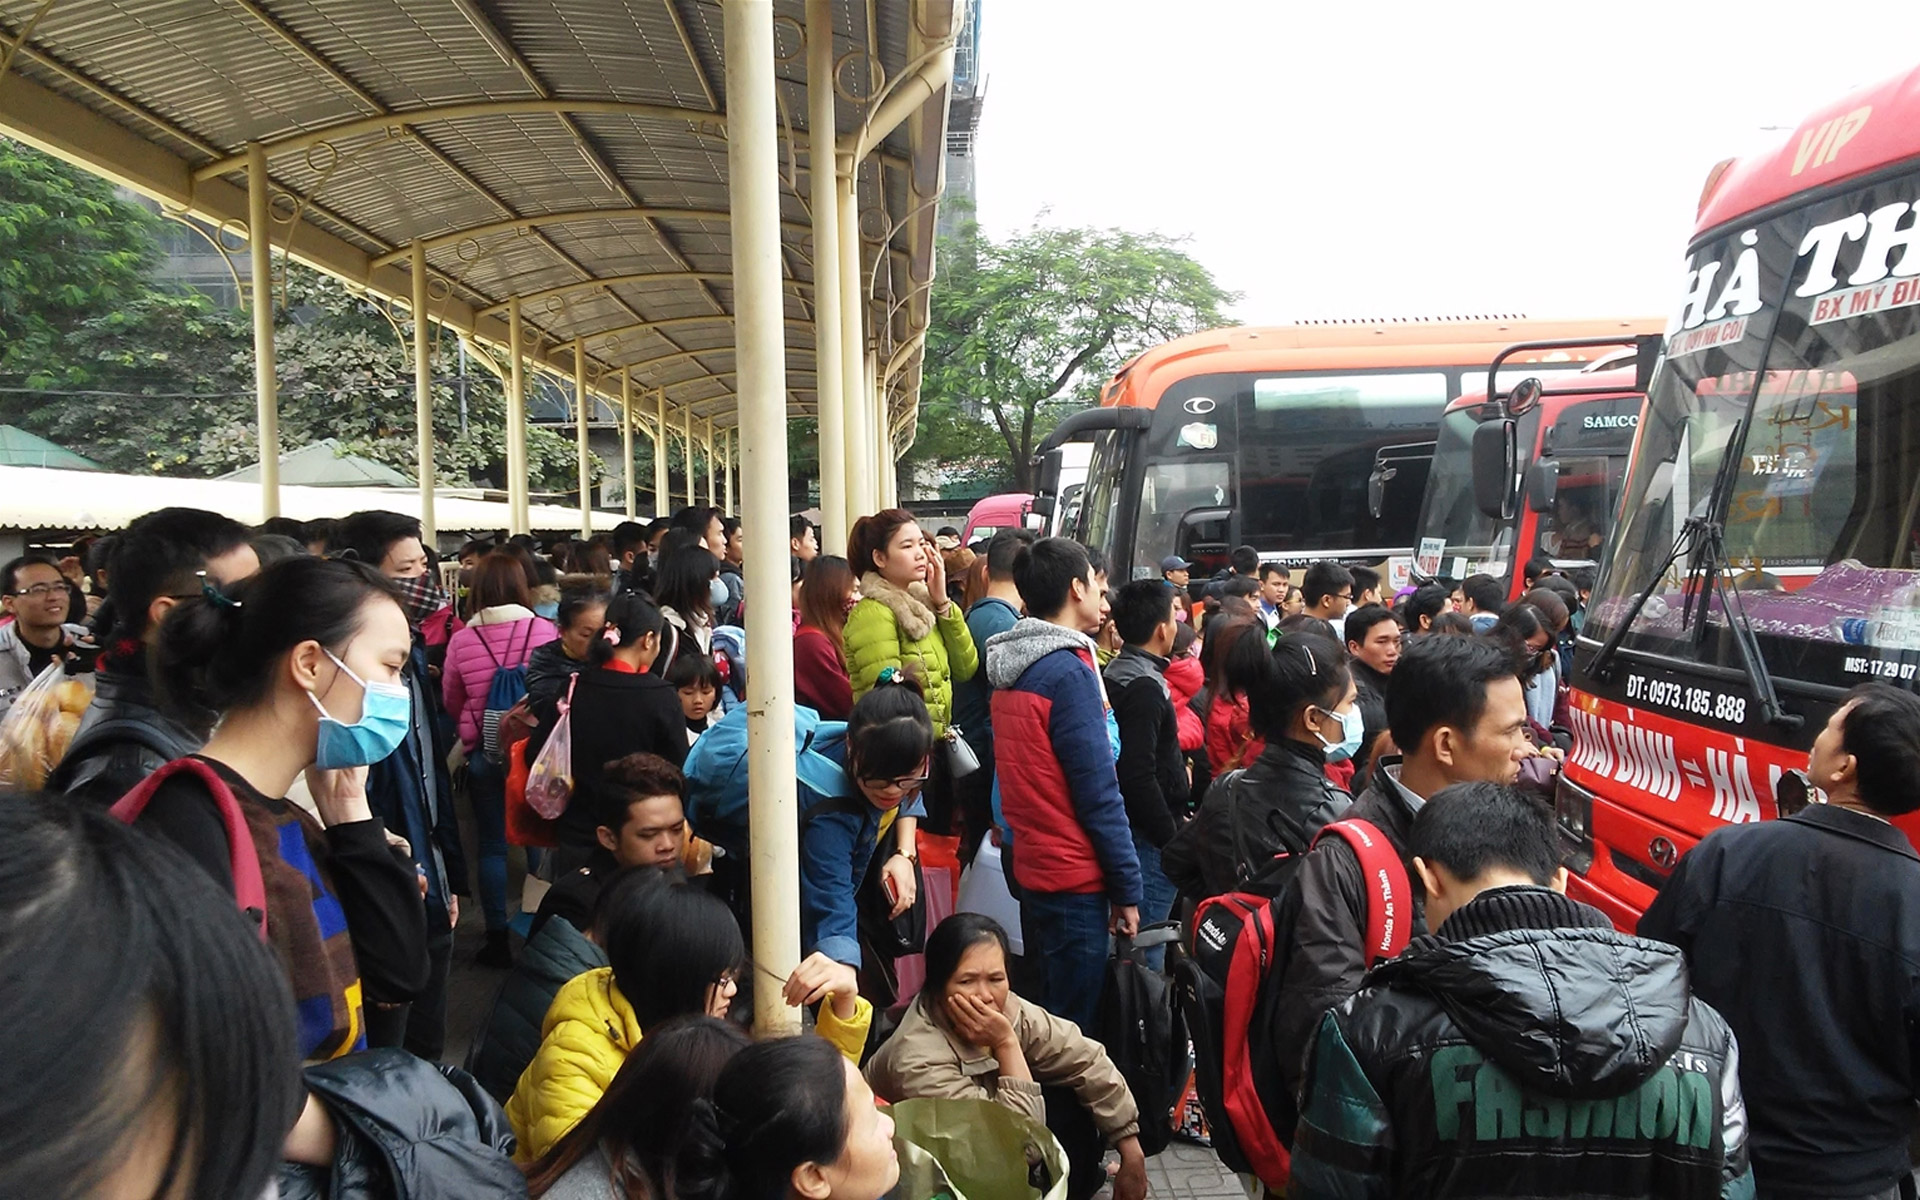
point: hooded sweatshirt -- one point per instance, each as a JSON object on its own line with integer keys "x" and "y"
{"x": 1054, "y": 760}
{"x": 1526, "y": 1049}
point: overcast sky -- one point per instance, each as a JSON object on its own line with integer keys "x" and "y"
{"x": 1396, "y": 159}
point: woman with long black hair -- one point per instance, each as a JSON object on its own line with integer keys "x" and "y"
{"x": 689, "y": 591}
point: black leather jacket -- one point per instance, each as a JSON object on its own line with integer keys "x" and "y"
{"x": 1249, "y": 816}
{"x": 123, "y": 738}
{"x": 1526, "y": 1049}
{"x": 408, "y": 1130}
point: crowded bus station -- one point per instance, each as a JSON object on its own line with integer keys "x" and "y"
{"x": 1203, "y": 755}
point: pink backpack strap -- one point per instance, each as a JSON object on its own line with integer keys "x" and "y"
{"x": 249, "y": 888}
{"x": 1389, "y": 891}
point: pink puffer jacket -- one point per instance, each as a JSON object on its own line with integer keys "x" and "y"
{"x": 503, "y": 636}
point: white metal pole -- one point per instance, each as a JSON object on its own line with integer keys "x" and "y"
{"x": 580, "y": 436}
{"x": 877, "y": 426}
{"x": 713, "y": 463}
{"x": 423, "y": 393}
{"x": 265, "y": 386}
{"x": 753, "y": 174}
{"x": 729, "y": 461}
{"x": 860, "y": 495}
{"x": 519, "y": 485}
{"x": 626, "y": 440}
{"x": 662, "y": 503}
{"x": 689, "y": 436}
{"x": 830, "y": 399}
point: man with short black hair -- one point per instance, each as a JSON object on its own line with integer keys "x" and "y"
{"x": 802, "y": 542}
{"x": 1805, "y": 933}
{"x": 641, "y": 805}
{"x": 1153, "y": 771}
{"x": 1275, "y": 581}
{"x": 1327, "y": 591}
{"x": 991, "y": 615}
{"x": 629, "y": 546}
{"x": 1458, "y": 715}
{"x": 1366, "y": 586}
{"x": 1485, "y": 597}
{"x": 161, "y": 559}
{"x": 1072, "y": 849}
{"x": 1426, "y": 603}
{"x": 35, "y": 594}
{"x": 471, "y": 553}
{"x": 1523, "y": 1048}
{"x": 1374, "y": 642}
{"x": 410, "y": 790}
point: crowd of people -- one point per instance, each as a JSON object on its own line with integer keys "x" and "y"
{"x": 233, "y": 907}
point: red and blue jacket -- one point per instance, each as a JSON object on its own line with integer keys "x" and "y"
{"x": 1053, "y": 759}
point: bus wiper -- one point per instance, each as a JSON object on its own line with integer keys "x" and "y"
{"x": 1741, "y": 630}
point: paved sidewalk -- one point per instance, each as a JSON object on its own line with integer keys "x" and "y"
{"x": 1188, "y": 1172}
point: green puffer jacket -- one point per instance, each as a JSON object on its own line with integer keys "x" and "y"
{"x": 895, "y": 628}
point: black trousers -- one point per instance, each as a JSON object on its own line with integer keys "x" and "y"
{"x": 420, "y": 1026}
{"x": 1080, "y": 1138}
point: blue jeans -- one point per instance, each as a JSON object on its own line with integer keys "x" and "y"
{"x": 1066, "y": 936}
{"x": 487, "y": 788}
{"x": 1157, "y": 895}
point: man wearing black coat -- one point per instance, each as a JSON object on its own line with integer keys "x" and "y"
{"x": 1374, "y": 639}
{"x": 1522, "y": 1049}
{"x": 1153, "y": 771}
{"x": 1805, "y": 932}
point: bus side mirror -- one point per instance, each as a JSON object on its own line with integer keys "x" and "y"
{"x": 1496, "y": 451}
{"x": 1046, "y": 483}
{"x": 1377, "y": 489}
{"x": 1543, "y": 485}
{"x": 1647, "y": 350}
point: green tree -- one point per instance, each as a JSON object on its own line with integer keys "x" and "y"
{"x": 70, "y": 249}
{"x": 1024, "y": 330}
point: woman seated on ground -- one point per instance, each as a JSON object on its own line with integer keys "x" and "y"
{"x": 967, "y": 1036}
{"x": 625, "y": 1148}
{"x": 673, "y": 951}
{"x": 789, "y": 1120}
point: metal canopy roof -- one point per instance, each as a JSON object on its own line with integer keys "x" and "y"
{"x": 569, "y": 152}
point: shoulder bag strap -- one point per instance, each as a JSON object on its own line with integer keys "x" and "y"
{"x": 249, "y": 888}
{"x": 1389, "y": 891}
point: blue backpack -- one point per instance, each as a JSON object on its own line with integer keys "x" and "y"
{"x": 716, "y": 772}
{"x": 509, "y": 687}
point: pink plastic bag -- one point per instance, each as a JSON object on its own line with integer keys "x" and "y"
{"x": 550, "y": 778}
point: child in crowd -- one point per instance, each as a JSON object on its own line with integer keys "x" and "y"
{"x": 698, "y": 681}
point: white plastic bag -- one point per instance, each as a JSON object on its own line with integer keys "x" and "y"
{"x": 550, "y": 778}
{"x": 983, "y": 890}
{"x": 38, "y": 728}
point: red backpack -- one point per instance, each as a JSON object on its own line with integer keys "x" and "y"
{"x": 249, "y": 888}
{"x": 1239, "y": 939}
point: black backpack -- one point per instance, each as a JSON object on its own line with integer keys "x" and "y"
{"x": 1144, "y": 1031}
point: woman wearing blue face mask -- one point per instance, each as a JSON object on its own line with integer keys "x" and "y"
{"x": 1302, "y": 700}
{"x": 297, "y": 670}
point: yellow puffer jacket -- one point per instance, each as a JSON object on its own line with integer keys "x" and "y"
{"x": 895, "y": 628}
{"x": 588, "y": 1033}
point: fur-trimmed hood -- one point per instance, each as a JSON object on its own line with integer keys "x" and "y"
{"x": 912, "y": 606}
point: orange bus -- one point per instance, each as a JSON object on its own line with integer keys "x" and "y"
{"x": 1270, "y": 436}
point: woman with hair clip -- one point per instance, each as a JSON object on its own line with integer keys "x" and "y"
{"x": 673, "y": 950}
{"x": 619, "y": 707}
{"x": 828, "y": 592}
{"x": 300, "y": 667}
{"x": 885, "y": 752}
{"x": 906, "y": 621}
{"x": 1302, "y": 701}
{"x": 967, "y": 1036}
{"x": 624, "y": 1149}
{"x": 789, "y": 1120}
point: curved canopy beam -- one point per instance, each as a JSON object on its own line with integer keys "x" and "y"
{"x": 577, "y": 216}
{"x": 607, "y": 281}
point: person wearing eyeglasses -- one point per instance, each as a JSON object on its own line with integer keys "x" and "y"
{"x": 35, "y": 595}
{"x": 1328, "y": 593}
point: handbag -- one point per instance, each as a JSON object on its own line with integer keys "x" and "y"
{"x": 961, "y": 760}
{"x": 891, "y": 936}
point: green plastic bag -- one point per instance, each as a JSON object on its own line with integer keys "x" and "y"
{"x": 981, "y": 1150}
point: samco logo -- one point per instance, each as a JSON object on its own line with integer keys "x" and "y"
{"x": 1478, "y": 1100}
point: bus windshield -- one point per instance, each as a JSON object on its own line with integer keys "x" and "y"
{"x": 1452, "y": 515}
{"x": 1797, "y": 353}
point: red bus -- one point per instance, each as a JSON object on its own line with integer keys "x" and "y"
{"x": 1269, "y": 437}
{"x": 1765, "y": 556}
{"x": 1571, "y": 442}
